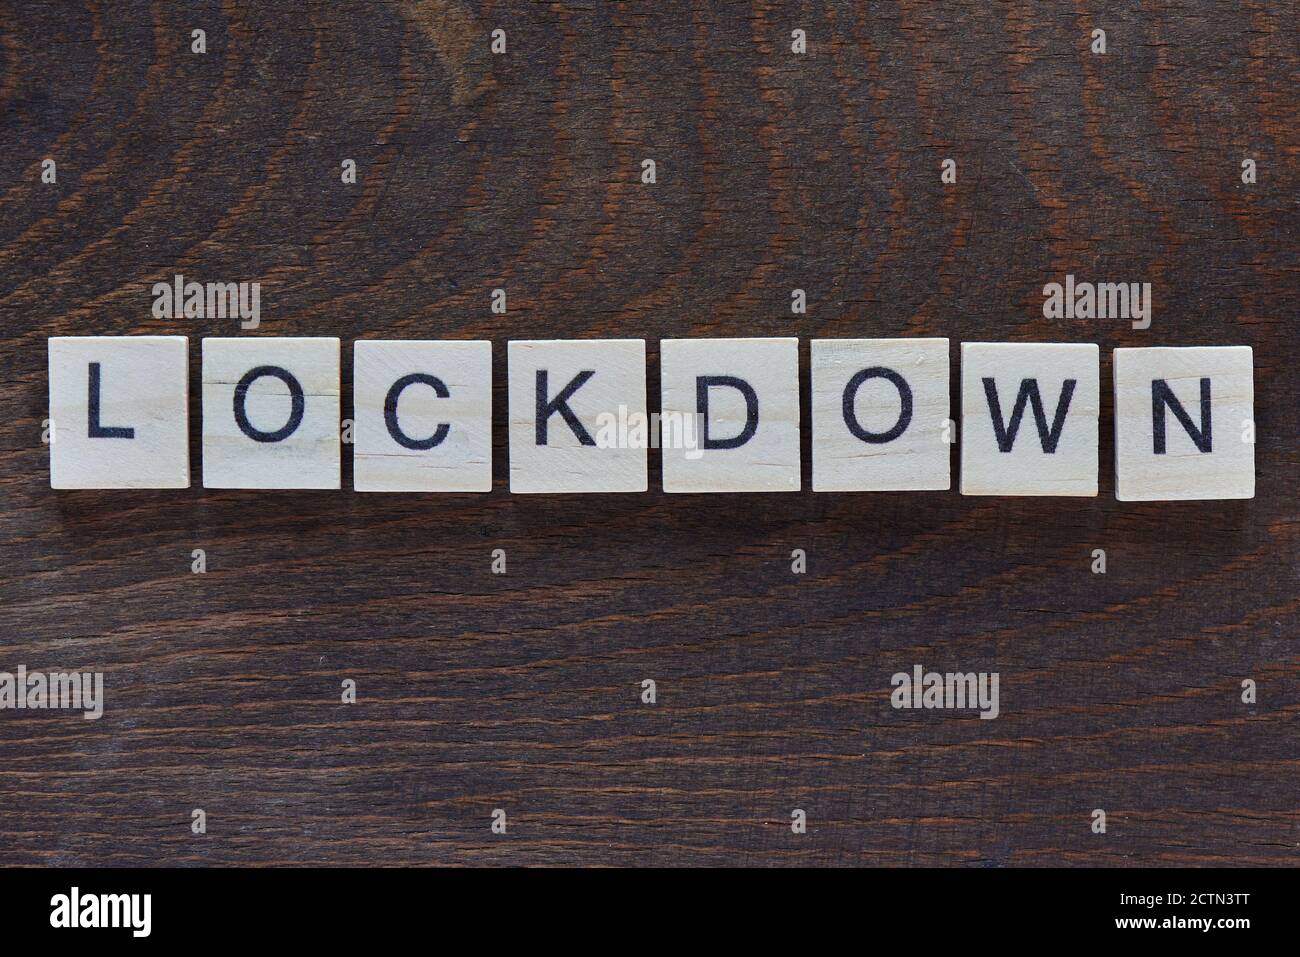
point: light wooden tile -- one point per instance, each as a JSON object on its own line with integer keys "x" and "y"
{"x": 437, "y": 435}
{"x": 120, "y": 412}
{"x": 283, "y": 442}
{"x": 880, "y": 415}
{"x": 1214, "y": 387}
{"x": 601, "y": 383}
{"x": 1040, "y": 454}
{"x": 734, "y": 450}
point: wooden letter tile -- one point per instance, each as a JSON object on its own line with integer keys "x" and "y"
{"x": 422, "y": 414}
{"x": 1029, "y": 418}
{"x": 119, "y": 408}
{"x": 1184, "y": 423}
{"x": 880, "y": 415}
{"x": 735, "y": 403}
{"x": 271, "y": 413}
{"x": 578, "y": 420}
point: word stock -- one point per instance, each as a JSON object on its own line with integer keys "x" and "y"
{"x": 578, "y": 421}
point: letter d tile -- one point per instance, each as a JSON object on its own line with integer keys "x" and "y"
{"x": 730, "y": 420}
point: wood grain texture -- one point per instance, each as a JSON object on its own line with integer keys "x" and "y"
{"x": 775, "y": 172}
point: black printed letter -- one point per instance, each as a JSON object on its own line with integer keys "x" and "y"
{"x": 702, "y": 385}
{"x": 390, "y": 412}
{"x": 241, "y": 397}
{"x": 1006, "y": 434}
{"x": 94, "y": 429}
{"x": 1162, "y": 396}
{"x": 548, "y": 407}
{"x": 904, "y": 415}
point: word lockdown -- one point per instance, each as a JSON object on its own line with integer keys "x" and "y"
{"x": 578, "y": 417}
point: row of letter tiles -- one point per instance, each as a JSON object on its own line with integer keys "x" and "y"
{"x": 579, "y": 422}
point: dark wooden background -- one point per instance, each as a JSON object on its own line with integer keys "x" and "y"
{"x": 521, "y": 692}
